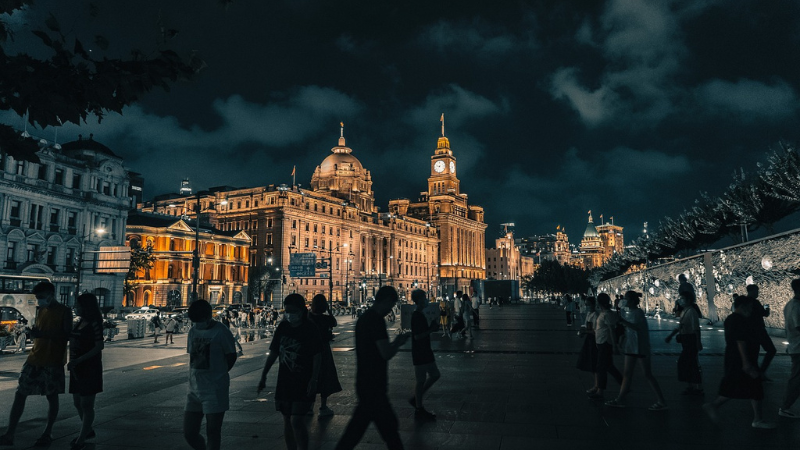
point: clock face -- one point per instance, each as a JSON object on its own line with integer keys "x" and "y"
{"x": 452, "y": 167}
{"x": 439, "y": 166}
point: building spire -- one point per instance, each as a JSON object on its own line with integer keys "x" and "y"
{"x": 590, "y": 217}
{"x": 442, "y": 120}
{"x": 341, "y": 134}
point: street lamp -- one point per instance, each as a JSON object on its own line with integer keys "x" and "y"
{"x": 97, "y": 231}
{"x": 349, "y": 266}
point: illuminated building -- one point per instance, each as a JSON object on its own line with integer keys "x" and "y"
{"x": 600, "y": 243}
{"x": 462, "y": 252}
{"x": 553, "y": 247}
{"x": 361, "y": 249}
{"x": 503, "y": 261}
{"x": 62, "y": 209}
{"x": 224, "y": 261}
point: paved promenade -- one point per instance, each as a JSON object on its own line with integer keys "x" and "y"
{"x": 513, "y": 386}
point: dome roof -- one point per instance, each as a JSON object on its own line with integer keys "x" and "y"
{"x": 87, "y": 144}
{"x": 341, "y": 159}
{"x": 591, "y": 231}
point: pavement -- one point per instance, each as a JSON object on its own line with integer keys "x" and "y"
{"x": 513, "y": 386}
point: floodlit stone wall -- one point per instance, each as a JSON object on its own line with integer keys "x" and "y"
{"x": 771, "y": 263}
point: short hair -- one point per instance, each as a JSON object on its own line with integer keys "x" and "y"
{"x": 386, "y": 294}
{"x": 418, "y": 296}
{"x": 90, "y": 311}
{"x": 604, "y": 300}
{"x": 682, "y": 277}
{"x": 319, "y": 304}
{"x": 796, "y": 285}
{"x": 590, "y": 300}
{"x": 751, "y": 287}
{"x": 295, "y": 300}
{"x": 458, "y": 293}
{"x": 199, "y": 311}
{"x": 742, "y": 301}
{"x": 44, "y": 287}
{"x": 633, "y": 297}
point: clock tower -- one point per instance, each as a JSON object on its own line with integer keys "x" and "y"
{"x": 443, "y": 170}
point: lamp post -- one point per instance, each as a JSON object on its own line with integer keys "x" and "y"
{"x": 98, "y": 232}
{"x": 196, "y": 255}
{"x": 349, "y": 266}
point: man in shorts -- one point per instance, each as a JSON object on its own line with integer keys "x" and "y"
{"x": 43, "y": 371}
{"x": 373, "y": 351}
{"x": 212, "y": 355}
{"x": 425, "y": 370}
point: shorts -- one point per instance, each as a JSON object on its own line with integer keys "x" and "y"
{"x": 169, "y": 332}
{"x": 290, "y": 408}
{"x": 207, "y": 402}
{"x": 47, "y": 380}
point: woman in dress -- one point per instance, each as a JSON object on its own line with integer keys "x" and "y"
{"x": 328, "y": 380}
{"x": 587, "y": 361}
{"x": 636, "y": 350}
{"x": 85, "y": 364}
{"x": 688, "y": 332}
{"x": 741, "y": 379}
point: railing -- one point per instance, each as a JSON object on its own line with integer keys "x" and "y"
{"x": 11, "y": 265}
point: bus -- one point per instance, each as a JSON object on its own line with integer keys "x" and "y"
{"x": 17, "y": 299}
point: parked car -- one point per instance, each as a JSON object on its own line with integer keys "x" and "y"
{"x": 182, "y": 311}
{"x": 219, "y": 309}
{"x": 143, "y": 313}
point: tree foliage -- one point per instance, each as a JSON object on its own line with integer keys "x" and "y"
{"x": 753, "y": 201}
{"x": 553, "y": 277}
{"x": 73, "y": 83}
{"x": 142, "y": 260}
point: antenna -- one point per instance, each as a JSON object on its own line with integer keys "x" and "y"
{"x": 506, "y": 226}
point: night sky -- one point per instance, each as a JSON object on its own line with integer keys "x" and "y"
{"x": 628, "y": 108}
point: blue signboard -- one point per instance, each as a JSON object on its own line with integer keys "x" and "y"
{"x": 302, "y": 264}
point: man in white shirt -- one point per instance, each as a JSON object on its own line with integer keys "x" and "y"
{"x": 791, "y": 319}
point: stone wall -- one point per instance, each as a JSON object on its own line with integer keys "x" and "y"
{"x": 771, "y": 263}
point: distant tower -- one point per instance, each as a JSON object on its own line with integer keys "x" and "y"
{"x": 186, "y": 188}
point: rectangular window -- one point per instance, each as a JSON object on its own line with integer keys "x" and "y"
{"x": 20, "y": 167}
{"x": 59, "y": 178}
{"x": 72, "y": 222}
{"x": 51, "y": 256}
{"x": 11, "y": 250}
{"x": 76, "y": 181}
{"x": 63, "y": 294}
{"x": 70, "y": 259}
{"x": 55, "y": 215}
{"x": 306, "y": 242}
{"x": 294, "y": 240}
{"x": 269, "y": 223}
{"x": 294, "y": 224}
{"x": 315, "y": 228}
{"x": 15, "y": 213}
{"x": 32, "y": 251}
{"x": 35, "y": 222}
{"x": 323, "y": 229}
{"x": 306, "y": 226}
{"x": 269, "y": 239}
{"x": 42, "y": 175}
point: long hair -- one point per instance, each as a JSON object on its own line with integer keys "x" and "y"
{"x": 319, "y": 305}
{"x": 90, "y": 311}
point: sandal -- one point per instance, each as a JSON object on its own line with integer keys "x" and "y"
{"x": 615, "y": 403}
{"x": 43, "y": 441}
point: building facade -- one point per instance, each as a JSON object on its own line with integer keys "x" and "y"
{"x": 599, "y": 243}
{"x": 358, "y": 249}
{"x": 503, "y": 261}
{"x": 57, "y": 213}
{"x": 552, "y": 247}
{"x": 224, "y": 262}
{"x": 462, "y": 247}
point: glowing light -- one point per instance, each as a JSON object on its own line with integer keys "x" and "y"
{"x": 652, "y": 291}
{"x": 766, "y": 263}
{"x": 749, "y": 281}
{"x": 657, "y": 283}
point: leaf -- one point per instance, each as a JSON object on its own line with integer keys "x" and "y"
{"x": 52, "y": 23}
{"x": 44, "y": 37}
{"x": 101, "y": 42}
{"x": 79, "y": 50}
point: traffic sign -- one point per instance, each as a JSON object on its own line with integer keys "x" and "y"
{"x": 302, "y": 264}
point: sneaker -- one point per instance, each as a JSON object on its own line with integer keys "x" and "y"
{"x": 421, "y": 413}
{"x": 788, "y": 413}
{"x": 325, "y": 412}
{"x": 658, "y": 406}
{"x": 764, "y": 425}
{"x": 615, "y": 403}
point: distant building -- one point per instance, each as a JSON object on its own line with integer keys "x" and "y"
{"x": 503, "y": 261}
{"x": 57, "y": 213}
{"x": 552, "y": 247}
{"x": 599, "y": 243}
{"x": 224, "y": 262}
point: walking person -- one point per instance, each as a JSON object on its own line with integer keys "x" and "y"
{"x": 764, "y": 340}
{"x": 741, "y": 379}
{"x": 172, "y": 324}
{"x": 476, "y": 317}
{"x": 86, "y": 364}
{"x": 688, "y": 332}
{"x": 569, "y": 308}
{"x": 373, "y": 351}
{"x": 425, "y": 371}
{"x": 791, "y": 319}
{"x": 328, "y": 382}
{"x": 466, "y": 314}
{"x": 636, "y": 350}
{"x": 444, "y": 318}
{"x": 298, "y": 348}
{"x": 606, "y": 340}
{"x": 211, "y": 356}
{"x": 587, "y": 360}
{"x": 156, "y": 321}
{"x": 43, "y": 371}
{"x": 21, "y": 331}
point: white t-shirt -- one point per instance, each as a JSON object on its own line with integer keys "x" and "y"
{"x": 208, "y": 367}
{"x": 791, "y": 317}
{"x": 606, "y": 320}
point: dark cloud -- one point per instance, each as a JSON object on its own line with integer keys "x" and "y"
{"x": 629, "y": 108}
